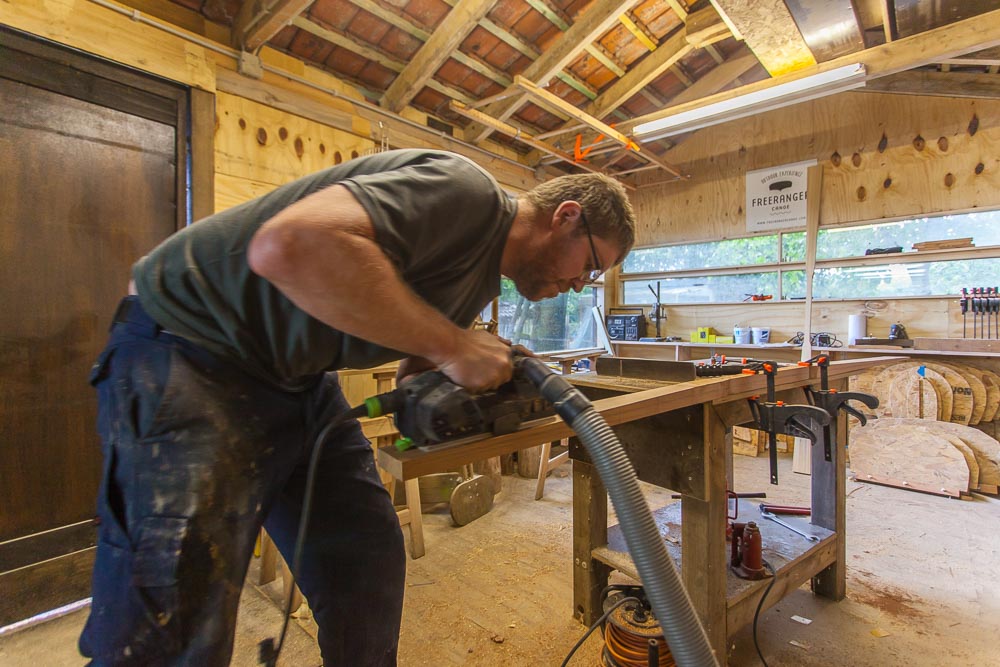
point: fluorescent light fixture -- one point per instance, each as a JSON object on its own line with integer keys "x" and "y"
{"x": 782, "y": 95}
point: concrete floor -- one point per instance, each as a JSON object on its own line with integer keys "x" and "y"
{"x": 922, "y": 571}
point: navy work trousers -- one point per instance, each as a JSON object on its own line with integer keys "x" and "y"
{"x": 197, "y": 456}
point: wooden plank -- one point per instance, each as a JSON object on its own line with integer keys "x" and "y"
{"x": 703, "y": 532}
{"x": 515, "y": 132}
{"x": 957, "y": 344}
{"x": 463, "y": 17}
{"x": 257, "y": 21}
{"x": 738, "y": 64}
{"x": 814, "y": 196}
{"x": 590, "y": 531}
{"x": 37, "y": 588}
{"x": 340, "y": 112}
{"x": 548, "y": 100}
{"x": 641, "y": 75}
{"x": 202, "y": 154}
{"x": 107, "y": 33}
{"x": 597, "y": 19}
{"x": 769, "y": 29}
{"x": 705, "y": 27}
{"x": 667, "y": 449}
{"x": 794, "y": 558}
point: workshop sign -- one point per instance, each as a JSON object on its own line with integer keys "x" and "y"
{"x": 776, "y": 197}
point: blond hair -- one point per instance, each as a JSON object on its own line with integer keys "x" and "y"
{"x": 604, "y": 202}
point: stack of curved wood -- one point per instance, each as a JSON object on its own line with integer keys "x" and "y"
{"x": 932, "y": 431}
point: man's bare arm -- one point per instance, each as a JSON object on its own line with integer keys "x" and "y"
{"x": 321, "y": 253}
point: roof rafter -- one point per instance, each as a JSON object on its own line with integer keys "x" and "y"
{"x": 598, "y": 18}
{"x": 459, "y": 22}
{"x": 258, "y": 21}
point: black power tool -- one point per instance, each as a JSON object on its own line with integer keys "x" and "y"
{"x": 431, "y": 409}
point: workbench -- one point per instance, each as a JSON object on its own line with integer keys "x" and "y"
{"x": 677, "y": 436}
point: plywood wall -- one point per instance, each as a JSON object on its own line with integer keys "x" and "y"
{"x": 258, "y": 148}
{"x": 883, "y": 156}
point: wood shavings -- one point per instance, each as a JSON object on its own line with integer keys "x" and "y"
{"x": 802, "y": 620}
{"x": 879, "y": 633}
{"x": 801, "y": 645}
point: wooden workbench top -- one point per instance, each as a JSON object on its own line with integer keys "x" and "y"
{"x": 639, "y": 399}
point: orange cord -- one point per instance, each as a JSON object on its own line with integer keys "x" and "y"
{"x": 631, "y": 650}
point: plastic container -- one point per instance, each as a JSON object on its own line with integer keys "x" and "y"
{"x": 741, "y": 335}
{"x": 761, "y": 335}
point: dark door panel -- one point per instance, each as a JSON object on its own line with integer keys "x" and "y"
{"x": 89, "y": 182}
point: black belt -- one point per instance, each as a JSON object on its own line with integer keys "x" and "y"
{"x": 130, "y": 311}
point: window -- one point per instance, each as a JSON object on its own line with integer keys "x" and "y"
{"x": 730, "y": 270}
{"x": 561, "y": 323}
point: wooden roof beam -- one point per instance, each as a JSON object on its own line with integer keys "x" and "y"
{"x": 641, "y": 75}
{"x": 258, "y": 21}
{"x": 446, "y": 38}
{"x": 925, "y": 48}
{"x": 597, "y": 20}
{"x": 924, "y": 82}
{"x": 516, "y": 133}
{"x": 547, "y": 99}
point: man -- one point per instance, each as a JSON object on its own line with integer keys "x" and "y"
{"x": 214, "y": 386}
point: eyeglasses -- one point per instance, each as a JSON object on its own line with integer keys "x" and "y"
{"x": 591, "y": 276}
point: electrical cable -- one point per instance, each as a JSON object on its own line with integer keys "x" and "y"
{"x": 596, "y": 624}
{"x": 267, "y": 650}
{"x": 760, "y": 605}
{"x": 631, "y": 650}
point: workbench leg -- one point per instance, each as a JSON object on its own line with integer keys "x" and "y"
{"x": 590, "y": 530}
{"x": 829, "y": 506}
{"x": 704, "y": 553}
{"x": 412, "y": 487}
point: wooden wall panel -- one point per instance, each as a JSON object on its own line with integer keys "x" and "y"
{"x": 107, "y": 33}
{"x": 263, "y": 144}
{"x": 883, "y": 156}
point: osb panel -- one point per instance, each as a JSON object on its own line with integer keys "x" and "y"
{"x": 926, "y": 139}
{"x": 265, "y": 145}
{"x": 770, "y": 32}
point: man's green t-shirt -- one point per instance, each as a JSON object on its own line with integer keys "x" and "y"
{"x": 440, "y": 218}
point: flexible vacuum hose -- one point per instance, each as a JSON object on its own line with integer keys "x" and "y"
{"x": 662, "y": 583}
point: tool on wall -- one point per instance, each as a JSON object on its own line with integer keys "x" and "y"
{"x": 984, "y": 304}
{"x": 832, "y": 401}
{"x": 773, "y": 417}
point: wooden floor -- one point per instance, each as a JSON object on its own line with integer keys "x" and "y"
{"x": 498, "y": 592}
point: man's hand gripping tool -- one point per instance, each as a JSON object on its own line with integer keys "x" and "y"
{"x": 832, "y": 401}
{"x": 775, "y": 416}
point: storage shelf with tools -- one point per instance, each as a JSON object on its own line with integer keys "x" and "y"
{"x": 794, "y": 558}
{"x": 684, "y": 351}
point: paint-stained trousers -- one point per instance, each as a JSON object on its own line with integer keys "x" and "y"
{"x": 197, "y": 455}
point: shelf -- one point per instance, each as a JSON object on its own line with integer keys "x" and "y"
{"x": 794, "y": 558}
{"x": 877, "y": 350}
